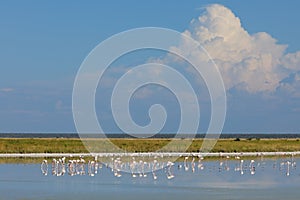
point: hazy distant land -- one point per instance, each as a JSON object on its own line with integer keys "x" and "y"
{"x": 167, "y": 135}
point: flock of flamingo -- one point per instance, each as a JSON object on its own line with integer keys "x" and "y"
{"x": 141, "y": 167}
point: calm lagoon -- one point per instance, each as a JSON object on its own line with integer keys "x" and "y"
{"x": 217, "y": 180}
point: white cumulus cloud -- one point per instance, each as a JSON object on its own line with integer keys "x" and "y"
{"x": 249, "y": 62}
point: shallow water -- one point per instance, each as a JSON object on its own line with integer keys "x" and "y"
{"x": 270, "y": 181}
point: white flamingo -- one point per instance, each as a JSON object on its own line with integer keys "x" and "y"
{"x": 288, "y": 163}
{"x": 241, "y": 167}
{"x": 193, "y": 165}
{"x": 170, "y": 175}
{"x": 200, "y": 164}
{"x": 252, "y": 167}
{"x": 186, "y": 166}
{"x": 44, "y": 167}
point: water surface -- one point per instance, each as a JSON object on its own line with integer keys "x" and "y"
{"x": 214, "y": 181}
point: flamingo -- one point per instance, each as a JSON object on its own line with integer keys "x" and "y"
{"x": 170, "y": 175}
{"x": 226, "y": 164}
{"x": 54, "y": 166}
{"x": 44, "y": 167}
{"x": 200, "y": 165}
{"x": 241, "y": 167}
{"x": 154, "y": 169}
{"x": 186, "y": 167}
{"x": 252, "y": 168}
{"x": 288, "y": 163}
{"x": 193, "y": 165}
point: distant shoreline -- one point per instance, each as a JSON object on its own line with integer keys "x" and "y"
{"x": 157, "y": 136}
{"x": 231, "y": 145}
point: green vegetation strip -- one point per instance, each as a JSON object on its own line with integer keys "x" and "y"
{"x": 62, "y": 145}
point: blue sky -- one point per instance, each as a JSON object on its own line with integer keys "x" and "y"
{"x": 44, "y": 43}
